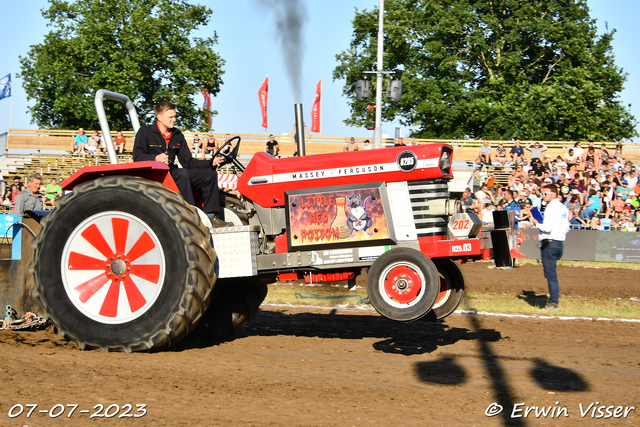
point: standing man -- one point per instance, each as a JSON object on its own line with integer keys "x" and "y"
{"x": 553, "y": 232}
{"x": 163, "y": 142}
{"x": 29, "y": 199}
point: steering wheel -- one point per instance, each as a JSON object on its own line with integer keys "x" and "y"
{"x": 230, "y": 157}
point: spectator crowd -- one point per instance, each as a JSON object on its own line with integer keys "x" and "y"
{"x": 598, "y": 185}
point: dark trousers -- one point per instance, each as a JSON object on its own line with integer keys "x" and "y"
{"x": 550, "y": 253}
{"x": 203, "y": 178}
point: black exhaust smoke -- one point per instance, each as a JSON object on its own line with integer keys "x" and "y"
{"x": 290, "y": 17}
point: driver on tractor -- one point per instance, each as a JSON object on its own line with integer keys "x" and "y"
{"x": 163, "y": 142}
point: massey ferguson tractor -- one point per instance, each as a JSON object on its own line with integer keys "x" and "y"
{"x": 124, "y": 263}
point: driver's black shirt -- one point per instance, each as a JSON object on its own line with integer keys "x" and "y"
{"x": 149, "y": 143}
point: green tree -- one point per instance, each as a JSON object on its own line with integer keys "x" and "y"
{"x": 496, "y": 69}
{"x": 141, "y": 48}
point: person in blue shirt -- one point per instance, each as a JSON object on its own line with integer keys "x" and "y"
{"x": 592, "y": 207}
{"x": 77, "y": 145}
{"x": 623, "y": 190}
{"x": 517, "y": 153}
{"x": 575, "y": 221}
{"x": 510, "y": 204}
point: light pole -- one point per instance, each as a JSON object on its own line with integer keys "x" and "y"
{"x": 377, "y": 143}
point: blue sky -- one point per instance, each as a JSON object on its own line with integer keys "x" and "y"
{"x": 247, "y": 41}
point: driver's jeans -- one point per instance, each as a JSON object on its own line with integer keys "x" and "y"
{"x": 204, "y": 179}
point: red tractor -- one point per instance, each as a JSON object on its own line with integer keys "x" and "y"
{"x": 124, "y": 263}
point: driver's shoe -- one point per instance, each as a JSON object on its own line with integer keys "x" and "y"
{"x": 216, "y": 222}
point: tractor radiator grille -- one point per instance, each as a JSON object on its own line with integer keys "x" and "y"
{"x": 420, "y": 193}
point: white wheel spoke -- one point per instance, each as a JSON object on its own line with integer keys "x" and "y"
{"x": 113, "y": 267}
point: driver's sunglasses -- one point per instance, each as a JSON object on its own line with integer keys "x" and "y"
{"x": 544, "y": 193}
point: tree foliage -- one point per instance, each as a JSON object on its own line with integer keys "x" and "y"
{"x": 141, "y": 48}
{"x": 495, "y": 69}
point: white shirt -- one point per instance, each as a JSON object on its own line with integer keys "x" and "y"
{"x": 556, "y": 222}
{"x": 481, "y": 196}
{"x": 487, "y": 216}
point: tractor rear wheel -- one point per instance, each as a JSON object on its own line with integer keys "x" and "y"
{"x": 239, "y": 299}
{"x": 123, "y": 264}
{"x": 403, "y": 284}
{"x": 451, "y": 290}
{"x": 235, "y": 305}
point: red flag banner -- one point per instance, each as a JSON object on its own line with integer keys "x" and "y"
{"x": 206, "y": 105}
{"x": 316, "y": 110}
{"x": 263, "y": 94}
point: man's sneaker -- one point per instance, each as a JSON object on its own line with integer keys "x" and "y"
{"x": 551, "y": 307}
{"x": 216, "y": 222}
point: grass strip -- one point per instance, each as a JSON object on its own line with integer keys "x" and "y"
{"x": 569, "y": 306}
{"x": 526, "y": 303}
{"x": 584, "y": 264}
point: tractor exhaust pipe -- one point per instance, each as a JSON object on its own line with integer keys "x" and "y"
{"x": 299, "y": 130}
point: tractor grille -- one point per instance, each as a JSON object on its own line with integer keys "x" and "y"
{"x": 420, "y": 193}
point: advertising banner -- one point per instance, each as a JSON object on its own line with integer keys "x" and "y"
{"x": 589, "y": 245}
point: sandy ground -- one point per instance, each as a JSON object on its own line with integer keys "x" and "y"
{"x": 300, "y": 366}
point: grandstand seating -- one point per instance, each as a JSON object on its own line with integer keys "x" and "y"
{"x": 46, "y": 151}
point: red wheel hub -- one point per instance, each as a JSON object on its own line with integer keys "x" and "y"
{"x": 403, "y": 284}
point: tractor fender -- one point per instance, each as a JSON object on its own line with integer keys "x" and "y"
{"x": 151, "y": 170}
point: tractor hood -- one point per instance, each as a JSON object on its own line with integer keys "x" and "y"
{"x": 266, "y": 178}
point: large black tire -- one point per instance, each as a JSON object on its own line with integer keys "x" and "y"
{"x": 451, "y": 290}
{"x": 239, "y": 299}
{"x": 141, "y": 240}
{"x": 403, "y": 284}
{"x": 233, "y": 307}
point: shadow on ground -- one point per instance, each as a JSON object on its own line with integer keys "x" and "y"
{"x": 395, "y": 338}
{"x": 533, "y": 299}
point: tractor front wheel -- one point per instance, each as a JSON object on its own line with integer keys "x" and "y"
{"x": 403, "y": 284}
{"x": 451, "y": 290}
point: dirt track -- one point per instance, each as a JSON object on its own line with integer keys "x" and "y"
{"x": 298, "y": 366}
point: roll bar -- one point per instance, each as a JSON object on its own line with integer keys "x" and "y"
{"x": 102, "y": 118}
